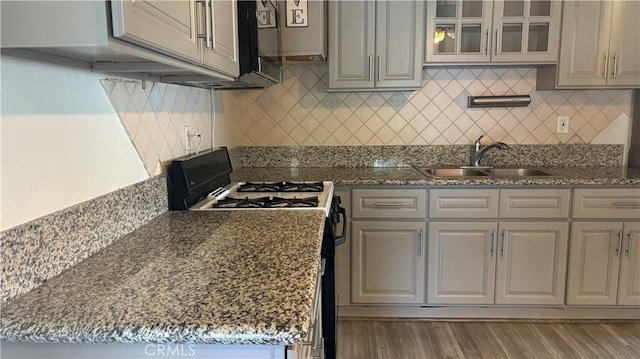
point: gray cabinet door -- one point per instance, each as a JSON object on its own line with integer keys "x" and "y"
{"x": 594, "y": 263}
{"x": 585, "y": 41}
{"x": 531, "y": 266}
{"x": 462, "y": 262}
{"x": 624, "y": 46}
{"x": 375, "y": 44}
{"x": 629, "y": 284}
{"x": 600, "y": 44}
{"x": 166, "y": 26}
{"x": 399, "y": 38}
{"x": 387, "y": 262}
{"x": 351, "y": 44}
{"x": 221, "y": 53}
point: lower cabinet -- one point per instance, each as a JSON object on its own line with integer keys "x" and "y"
{"x": 505, "y": 263}
{"x": 604, "y": 264}
{"x": 388, "y": 262}
{"x": 461, "y": 264}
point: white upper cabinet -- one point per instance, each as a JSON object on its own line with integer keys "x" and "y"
{"x": 202, "y": 32}
{"x": 477, "y": 31}
{"x": 375, "y": 44}
{"x": 600, "y": 44}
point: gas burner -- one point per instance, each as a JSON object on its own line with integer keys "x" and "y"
{"x": 277, "y": 202}
{"x": 230, "y": 202}
{"x": 260, "y": 187}
{"x": 302, "y": 187}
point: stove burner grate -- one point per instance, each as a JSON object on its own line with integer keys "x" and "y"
{"x": 230, "y": 202}
{"x": 260, "y": 187}
{"x": 277, "y": 202}
{"x": 302, "y": 187}
{"x": 281, "y": 187}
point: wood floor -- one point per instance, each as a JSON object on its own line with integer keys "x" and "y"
{"x": 407, "y": 339}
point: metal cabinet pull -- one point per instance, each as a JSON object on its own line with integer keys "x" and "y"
{"x": 497, "y": 31}
{"x": 629, "y": 245}
{"x": 626, "y": 204}
{"x": 388, "y": 204}
{"x": 615, "y": 65}
{"x": 379, "y": 66}
{"x": 486, "y": 45}
{"x": 203, "y": 16}
{"x": 370, "y": 77}
{"x": 420, "y": 243}
{"x": 493, "y": 241}
{"x": 619, "y": 243}
{"x": 502, "y": 245}
{"x": 208, "y": 23}
{"x": 605, "y": 64}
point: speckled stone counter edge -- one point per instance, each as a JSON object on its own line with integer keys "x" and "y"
{"x": 53, "y": 243}
{"x": 570, "y": 155}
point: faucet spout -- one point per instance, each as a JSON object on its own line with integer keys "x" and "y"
{"x": 480, "y": 151}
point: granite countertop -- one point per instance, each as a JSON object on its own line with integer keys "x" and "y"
{"x": 213, "y": 277}
{"x": 353, "y": 176}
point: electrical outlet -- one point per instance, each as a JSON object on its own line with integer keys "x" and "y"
{"x": 563, "y": 124}
{"x": 187, "y": 140}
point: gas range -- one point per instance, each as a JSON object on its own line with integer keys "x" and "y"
{"x": 203, "y": 183}
{"x": 270, "y": 195}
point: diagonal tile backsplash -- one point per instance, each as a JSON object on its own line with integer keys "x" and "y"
{"x": 155, "y": 118}
{"x": 299, "y": 111}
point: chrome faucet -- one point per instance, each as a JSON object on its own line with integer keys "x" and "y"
{"x": 480, "y": 151}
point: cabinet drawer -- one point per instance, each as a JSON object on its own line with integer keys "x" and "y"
{"x": 389, "y": 203}
{"x": 534, "y": 203}
{"x": 463, "y": 203}
{"x": 606, "y": 203}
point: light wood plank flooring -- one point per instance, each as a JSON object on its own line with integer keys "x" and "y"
{"x": 409, "y": 339}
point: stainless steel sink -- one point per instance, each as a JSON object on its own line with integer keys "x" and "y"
{"x": 480, "y": 172}
{"x": 517, "y": 172}
{"x": 451, "y": 172}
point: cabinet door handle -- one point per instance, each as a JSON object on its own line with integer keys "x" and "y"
{"x": 497, "y": 31}
{"x": 502, "y": 245}
{"x": 629, "y": 244}
{"x": 615, "y": 65}
{"x": 208, "y": 23}
{"x": 202, "y": 17}
{"x": 626, "y": 204}
{"x": 379, "y": 67}
{"x": 605, "y": 65}
{"x": 420, "y": 243}
{"x": 619, "y": 243}
{"x": 493, "y": 242}
{"x": 370, "y": 77}
{"x": 388, "y": 204}
{"x": 486, "y": 44}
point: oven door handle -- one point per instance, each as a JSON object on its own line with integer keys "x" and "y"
{"x": 343, "y": 236}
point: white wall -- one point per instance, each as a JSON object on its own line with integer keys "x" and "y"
{"x": 61, "y": 142}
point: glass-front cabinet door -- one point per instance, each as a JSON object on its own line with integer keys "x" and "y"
{"x": 526, "y": 31}
{"x": 458, "y": 31}
{"x": 501, "y": 31}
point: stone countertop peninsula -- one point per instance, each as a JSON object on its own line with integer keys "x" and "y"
{"x": 354, "y": 176}
{"x": 210, "y": 277}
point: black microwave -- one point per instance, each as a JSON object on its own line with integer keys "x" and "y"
{"x": 259, "y": 50}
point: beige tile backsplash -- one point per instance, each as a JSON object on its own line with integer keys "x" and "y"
{"x": 155, "y": 116}
{"x": 299, "y": 111}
